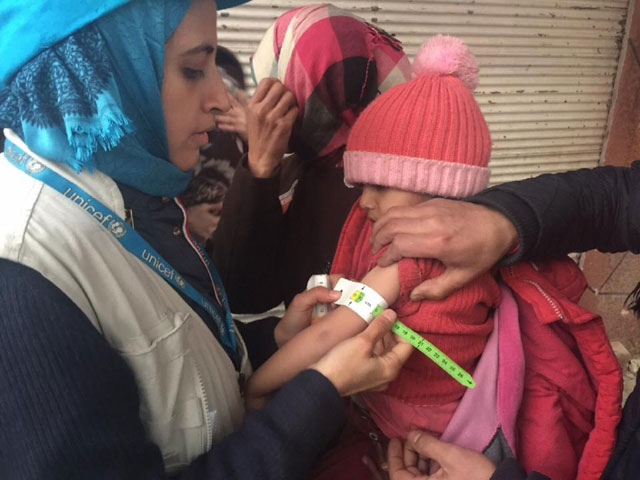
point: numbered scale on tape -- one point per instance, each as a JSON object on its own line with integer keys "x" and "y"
{"x": 434, "y": 353}
{"x": 368, "y": 304}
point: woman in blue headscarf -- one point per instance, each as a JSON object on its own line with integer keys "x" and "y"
{"x": 118, "y": 357}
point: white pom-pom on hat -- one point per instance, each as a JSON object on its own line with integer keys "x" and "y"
{"x": 446, "y": 55}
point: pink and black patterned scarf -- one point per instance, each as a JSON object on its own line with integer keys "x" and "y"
{"x": 335, "y": 64}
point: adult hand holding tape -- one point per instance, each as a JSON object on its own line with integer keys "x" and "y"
{"x": 368, "y": 304}
{"x": 302, "y": 309}
{"x": 374, "y": 357}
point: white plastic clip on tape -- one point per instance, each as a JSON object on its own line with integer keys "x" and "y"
{"x": 363, "y": 300}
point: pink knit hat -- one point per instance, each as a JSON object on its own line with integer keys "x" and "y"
{"x": 426, "y": 135}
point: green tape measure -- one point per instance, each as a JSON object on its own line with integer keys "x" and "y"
{"x": 434, "y": 353}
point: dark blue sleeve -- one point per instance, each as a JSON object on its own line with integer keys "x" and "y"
{"x": 572, "y": 211}
{"x": 283, "y": 440}
{"x": 69, "y": 403}
{"x": 509, "y": 469}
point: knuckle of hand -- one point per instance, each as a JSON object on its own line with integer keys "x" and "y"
{"x": 395, "y": 246}
{"x": 393, "y": 226}
{"x": 255, "y": 110}
{"x": 268, "y": 81}
{"x": 291, "y": 118}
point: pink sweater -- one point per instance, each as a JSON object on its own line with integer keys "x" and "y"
{"x": 423, "y": 395}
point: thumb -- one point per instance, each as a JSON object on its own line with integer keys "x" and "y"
{"x": 428, "y": 446}
{"x": 379, "y": 327}
{"x": 325, "y": 295}
{"x": 442, "y": 286}
{"x": 318, "y": 294}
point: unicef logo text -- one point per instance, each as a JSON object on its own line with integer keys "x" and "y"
{"x": 180, "y": 281}
{"x": 34, "y": 166}
{"x": 117, "y": 229}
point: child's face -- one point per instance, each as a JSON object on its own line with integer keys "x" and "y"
{"x": 378, "y": 200}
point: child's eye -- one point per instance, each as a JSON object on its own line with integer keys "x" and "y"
{"x": 192, "y": 74}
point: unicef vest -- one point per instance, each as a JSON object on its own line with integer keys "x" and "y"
{"x": 189, "y": 394}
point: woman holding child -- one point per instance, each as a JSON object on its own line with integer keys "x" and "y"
{"x": 426, "y": 138}
{"x": 283, "y": 219}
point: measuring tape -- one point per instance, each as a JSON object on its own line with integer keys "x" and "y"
{"x": 434, "y": 353}
{"x": 368, "y": 304}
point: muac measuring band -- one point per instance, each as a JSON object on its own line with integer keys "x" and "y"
{"x": 368, "y": 304}
{"x": 127, "y": 237}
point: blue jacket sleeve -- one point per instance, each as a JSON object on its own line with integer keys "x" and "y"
{"x": 69, "y": 403}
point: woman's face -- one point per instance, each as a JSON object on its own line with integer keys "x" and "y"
{"x": 192, "y": 88}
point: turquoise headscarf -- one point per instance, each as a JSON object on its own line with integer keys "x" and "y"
{"x": 82, "y": 85}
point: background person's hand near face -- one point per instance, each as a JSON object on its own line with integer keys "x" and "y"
{"x": 235, "y": 120}
{"x": 270, "y": 116}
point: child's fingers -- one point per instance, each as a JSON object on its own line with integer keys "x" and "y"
{"x": 225, "y": 117}
{"x": 228, "y": 128}
{"x": 234, "y": 102}
{"x": 241, "y": 98}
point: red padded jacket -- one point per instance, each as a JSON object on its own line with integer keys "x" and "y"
{"x": 571, "y": 403}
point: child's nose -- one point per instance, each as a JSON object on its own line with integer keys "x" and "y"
{"x": 366, "y": 200}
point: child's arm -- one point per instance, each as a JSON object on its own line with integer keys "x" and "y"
{"x": 313, "y": 342}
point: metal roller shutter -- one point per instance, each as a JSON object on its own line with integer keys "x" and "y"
{"x": 547, "y": 67}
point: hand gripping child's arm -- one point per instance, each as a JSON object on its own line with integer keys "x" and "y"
{"x": 314, "y": 341}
